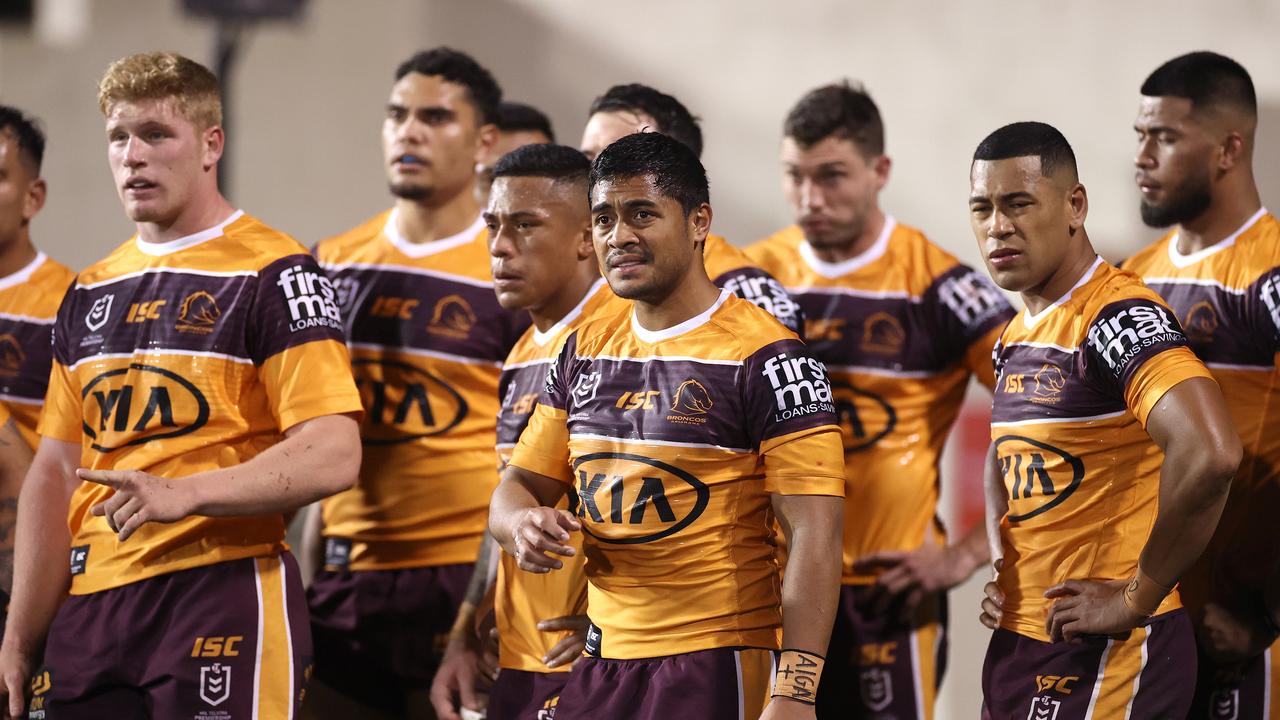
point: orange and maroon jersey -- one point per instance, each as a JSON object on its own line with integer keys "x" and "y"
{"x": 524, "y": 599}
{"x": 1228, "y": 299}
{"x": 731, "y": 269}
{"x": 1075, "y": 384}
{"x": 900, "y": 328}
{"x": 674, "y": 441}
{"x": 28, "y": 304}
{"x": 181, "y": 357}
{"x": 427, "y": 339}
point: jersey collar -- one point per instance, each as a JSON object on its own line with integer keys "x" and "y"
{"x": 542, "y": 338}
{"x": 420, "y": 250}
{"x": 20, "y": 276}
{"x": 1180, "y": 260}
{"x": 656, "y": 336}
{"x": 187, "y": 241}
{"x": 1030, "y": 320}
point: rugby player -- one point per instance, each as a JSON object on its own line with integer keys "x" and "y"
{"x": 543, "y": 262}
{"x": 427, "y": 338}
{"x": 518, "y": 124}
{"x": 1094, "y": 526}
{"x": 182, "y": 421}
{"x": 901, "y": 326}
{"x": 684, "y": 425}
{"x": 1219, "y": 270}
{"x": 627, "y": 109}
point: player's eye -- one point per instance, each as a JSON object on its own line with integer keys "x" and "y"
{"x": 396, "y": 114}
{"x": 643, "y": 215}
{"x": 436, "y": 117}
{"x": 525, "y": 225}
{"x": 493, "y": 228}
{"x": 603, "y": 220}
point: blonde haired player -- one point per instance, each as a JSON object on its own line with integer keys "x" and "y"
{"x": 181, "y": 423}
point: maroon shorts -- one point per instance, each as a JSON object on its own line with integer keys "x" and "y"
{"x": 524, "y": 695}
{"x": 1246, "y": 692}
{"x": 227, "y": 641}
{"x": 883, "y": 666}
{"x": 720, "y": 684}
{"x": 381, "y": 633}
{"x": 1151, "y": 673}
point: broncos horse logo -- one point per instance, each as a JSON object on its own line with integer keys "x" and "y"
{"x": 692, "y": 399}
{"x": 199, "y": 313}
{"x": 1050, "y": 381}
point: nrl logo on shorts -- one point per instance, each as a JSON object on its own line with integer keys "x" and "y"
{"x": 1225, "y": 704}
{"x": 99, "y": 313}
{"x": 1044, "y": 707}
{"x": 586, "y": 387}
{"x": 215, "y": 683}
{"x": 877, "y": 688}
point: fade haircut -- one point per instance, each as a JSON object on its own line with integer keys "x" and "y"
{"x": 1030, "y": 139}
{"x": 673, "y": 118}
{"x": 558, "y": 162}
{"x": 840, "y": 110}
{"x": 1207, "y": 79}
{"x": 517, "y": 117}
{"x": 26, "y": 132}
{"x": 192, "y": 87}
{"x": 461, "y": 69}
{"x": 676, "y": 171}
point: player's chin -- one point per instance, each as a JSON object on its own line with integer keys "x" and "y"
{"x": 145, "y": 211}
{"x": 628, "y": 287}
{"x": 514, "y": 300}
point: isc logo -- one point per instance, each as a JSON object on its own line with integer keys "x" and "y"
{"x": 386, "y": 306}
{"x": 143, "y": 403}
{"x": 629, "y": 499}
{"x": 877, "y": 653}
{"x": 1056, "y": 683}
{"x": 217, "y": 646}
{"x": 639, "y": 400}
{"x": 144, "y": 311}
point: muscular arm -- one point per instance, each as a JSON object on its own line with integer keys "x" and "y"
{"x": 15, "y": 460}
{"x": 813, "y": 526}
{"x": 997, "y": 503}
{"x": 317, "y": 458}
{"x": 524, "y": 521}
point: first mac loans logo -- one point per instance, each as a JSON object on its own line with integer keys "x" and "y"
{"x": 800, "y": 386}
{"x": 1122, "y": 336}
{"x": 311, "y": 299}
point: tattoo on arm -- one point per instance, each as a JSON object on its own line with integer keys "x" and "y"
{"x": 480, "y": 576}
{"x": 8, "y": 521}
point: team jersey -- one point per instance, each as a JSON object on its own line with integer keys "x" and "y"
{"x": 427, "y": 340}
{"x": 182, "y": 357}
{"x": 674, "y": 441}
{"x": 730, "y": 269}
{"x": 1228, "y": 299}
{"x": 28, "y": 304}
{"x": 901, "y": 328}
{"x": 523, "y": 598}
{"x": 1075, "y": 384}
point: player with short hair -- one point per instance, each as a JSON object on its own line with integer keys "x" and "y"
{"x": 901, "y": 326}
{"x": 627, "y": 109}
{"x": 518, "y": 124}
{"x": 1219, "y": 270}
{"x": 1112, "y": 454}
{"x": 182, "y": 422}
{"x": 427, "y": 340}
{"x": 543, "y": 262}
{"x": 684, "y": 425}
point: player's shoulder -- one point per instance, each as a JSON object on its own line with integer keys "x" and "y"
{"x": 594, "y": 334}
{"x": 1259, "y": 248}
{"x": 780, "y": 249}
{"x": 52, "y": 274}
{"x": 255, "y": 241}
{"x": 721, "y": 257}
{"x": 357, "y": 238}
{"x": 1153, "y": 256}
{"x": 924, "y": 261}
{"x": 744, "y": 328}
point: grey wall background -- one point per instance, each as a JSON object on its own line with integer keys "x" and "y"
{"x": 307, "y": 108}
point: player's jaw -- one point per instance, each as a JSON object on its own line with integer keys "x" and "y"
{"x": 1164, "y": 204}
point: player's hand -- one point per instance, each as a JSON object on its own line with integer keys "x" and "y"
{"x": 1089, "y": 607}
{"x": 570, "y": 648}
{"x": 993, "y": 603}
{"x": 780, "y": 708}
{"x": 15, "y": 679}
{"x": 539, "y": 531}
{"x": 138, "y": 499}
{"x": 906, "y": 579}
{"x": 1230, "y": 637}
{"x": 461, "y": 675}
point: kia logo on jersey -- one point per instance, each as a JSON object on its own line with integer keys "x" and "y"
{"x": 629, "y": 499}
{"x": 138, "y": 404}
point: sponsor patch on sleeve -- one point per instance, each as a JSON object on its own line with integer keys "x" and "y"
{"x": 1269, "y": 297}
{"x": 761, "y": 289}
{"x": 296, "y": 303}
{"x": 1126, "y": 334}
{"x": 788, "y": 390}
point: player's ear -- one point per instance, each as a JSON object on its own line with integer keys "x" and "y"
{"x": 36, "y": 193}
{"x": 700, "y": 222}
{"x": 213, "y": 140}
{"x": 1232, "y": 151}
{"x": 1078, "y": 200}
{"x": 486, "y": 138}
{"x": 881, "y": 165}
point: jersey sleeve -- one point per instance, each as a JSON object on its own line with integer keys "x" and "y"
{"x": 792, "y": 421}
{"x": 1265, "y": 301}
{"x": 967, "y": 313}
{"x": 1136, "y": 349}
{"x": 543, "y": 447}
{"x": 295, "y": 337}
{"x": 62, "y": 417}
{"x": 760, "y": 288}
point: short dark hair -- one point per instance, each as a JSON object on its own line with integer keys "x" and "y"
{"x": 672, "y": 117}
{"x": 26, "y": 131}
{"x": 1026, "y": 139}
{"x": 515, "y": 117}
{"x": 839, "y": 110}
{"x": 1205, "y": 78}
{"x": 674, "y": 167}
{"x": 460, "y": 68}
{"x": 558, "y": 162}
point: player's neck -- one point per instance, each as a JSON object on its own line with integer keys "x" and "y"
{"x": 871, "y": 230}
{"x": 1073, "y": 267}
{"x": 17, "y": 254}
{"x": 690, "y": 299}
{"x": 1226, "y": 214}
{"x": 424, "y": 223}
{"x": 204, "y": 212}
{"x": 569, "y": 297}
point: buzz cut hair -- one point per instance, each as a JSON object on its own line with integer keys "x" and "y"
{"x": 461, "y": 69}
{"x": 519, "y": 117}
{"x": 26, "y": 132}
{"x": 1030, "y": 139}
{"x": 166, "y": 76}
{"x": 674, "y": 167}
{"x": 1207, "y": 79}
{"x": 557, "y": 162}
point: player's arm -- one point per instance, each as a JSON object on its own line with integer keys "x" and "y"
{"x": 316, "y": 458}
{"x": 42, "y": 574}
{"x": 15, "y": 460}
{"x": 1202, "y": 451}
{"x": 997, "y": 506}
{"x": 524, "y": 520}
{"x": 466, "y": 665}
